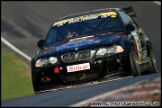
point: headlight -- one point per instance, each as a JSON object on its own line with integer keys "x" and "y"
{"x": 119, "y": 49}
{"x": 53, "y": 60}
{"x": 38, "y": 63}
{"x": 41, "y": 62}
{"x": 111, "y": 49}
{"x": 101, "y": 52}
{"x": 115, "y": 49}
{"x": 45, "y": 61}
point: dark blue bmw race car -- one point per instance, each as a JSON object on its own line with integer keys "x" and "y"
{"x": 90, "y": 46}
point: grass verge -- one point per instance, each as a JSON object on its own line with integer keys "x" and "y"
{"x": 15, "y": 76}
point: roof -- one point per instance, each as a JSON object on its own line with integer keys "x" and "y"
{"x": 88, "y": 12}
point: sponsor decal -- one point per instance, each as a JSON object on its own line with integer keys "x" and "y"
{"x": 73, "y": 43}
{"x": 46, "y": 49}
{"x": 85, "y": 17}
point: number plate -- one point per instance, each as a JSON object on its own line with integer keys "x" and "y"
{"x": 79, "y": 67}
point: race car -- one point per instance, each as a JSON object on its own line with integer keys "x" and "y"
{"x": 91, "y": 45}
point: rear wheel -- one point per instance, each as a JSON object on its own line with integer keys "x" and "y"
{"x": 152, "y": 68}
{"x": 135, "y": 68}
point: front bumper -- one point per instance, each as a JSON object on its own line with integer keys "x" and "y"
{"x": 98, "y": 68}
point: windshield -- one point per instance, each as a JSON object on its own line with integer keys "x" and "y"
{"x": 83, "y": 28}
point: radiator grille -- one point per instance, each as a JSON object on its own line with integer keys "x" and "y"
{"x": 79, "y": 56}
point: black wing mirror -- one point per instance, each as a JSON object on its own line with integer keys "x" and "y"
{"x": 40, "y": 43}
{"x": 129, "y": 27}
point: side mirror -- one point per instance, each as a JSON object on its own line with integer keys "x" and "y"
{"x": 40, "y": 43}
{"x": 129, "y": 27}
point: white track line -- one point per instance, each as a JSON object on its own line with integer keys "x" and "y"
{"x": 15, "y": 49}
{"x": 157, "y": 2}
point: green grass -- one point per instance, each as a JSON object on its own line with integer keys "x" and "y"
{"x": 15, "y": 76}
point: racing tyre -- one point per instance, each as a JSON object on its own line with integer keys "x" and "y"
{"x": 152, "y": 68}
{"x": 135, "y": 68}
{"x": 36, "y": 83}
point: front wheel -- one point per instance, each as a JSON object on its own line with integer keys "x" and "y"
{"x": 135, "y": 68}
{"x": 152, "y": 68}
{"x": 36, "y": 82}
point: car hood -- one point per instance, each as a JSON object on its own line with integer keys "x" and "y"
{"x": 81, "y": 43}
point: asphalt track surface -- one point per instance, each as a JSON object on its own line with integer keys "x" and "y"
{"x": 23, "y": 23}
{"x": 70, "y": 96}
